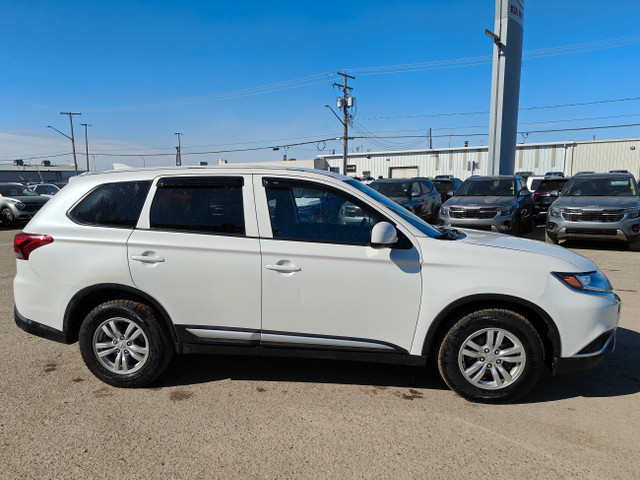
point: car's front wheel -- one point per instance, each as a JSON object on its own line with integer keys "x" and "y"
{"x": 124, "y": 344}
{"x": 491, "y": 355}
{"x": 549, "y": 238}
{"x": 8, "y": 219}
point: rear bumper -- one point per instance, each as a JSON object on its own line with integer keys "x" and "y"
{"x": 40, "y": 330}
{"x": 592, "y": 355}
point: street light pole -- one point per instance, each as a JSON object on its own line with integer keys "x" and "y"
{"x": 73, "y": 142}
{"x": 86, "y": 143}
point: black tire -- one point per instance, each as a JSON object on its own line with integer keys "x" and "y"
{"x": 492, "y": 385}
{"x": 549, "y": 238}
{"x": 8, "y": 219}
{"x": 634, "y": 245}
{"x": 135, "y": 346}
{"x": 515, "y": 227}
{"x": 435, "y": 217}
{"x": 527, "y": 223}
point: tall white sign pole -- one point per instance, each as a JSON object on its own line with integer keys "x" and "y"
{"x": 505, "y": 85}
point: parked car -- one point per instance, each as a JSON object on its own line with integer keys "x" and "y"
{"x": 546, "y": 192}
{"x": 18, "y": 203}
{"x": 418, "y": 195}
{"x": 446, "y": 187}
{"x": 140, "y": 264}
{"x": 500, "y": 203}
{"x": 47, "y": 189}
{"x": 603, "y": 206}
{"x": 524, "y": 174}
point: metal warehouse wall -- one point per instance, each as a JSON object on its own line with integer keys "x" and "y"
{"x": 569, "y": 157}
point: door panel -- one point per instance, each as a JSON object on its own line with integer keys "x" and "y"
{"x": 322, "y": 285}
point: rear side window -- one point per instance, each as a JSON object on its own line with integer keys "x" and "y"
{"x": 194, "y": 204}
{"x": 112, "y": 204}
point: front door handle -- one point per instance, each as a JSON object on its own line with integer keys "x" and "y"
{"x": 283, "y": 268}
{"x": 147, "y": 258}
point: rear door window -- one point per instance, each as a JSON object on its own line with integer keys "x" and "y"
{"x": 199, "y": 204}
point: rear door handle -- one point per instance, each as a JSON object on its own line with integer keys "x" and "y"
{"x": 147, "y": 258}
{"x": 283, "y": 268}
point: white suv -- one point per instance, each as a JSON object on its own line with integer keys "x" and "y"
{"x": 139, "y": 264}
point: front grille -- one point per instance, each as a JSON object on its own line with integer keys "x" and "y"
{"x": 482, "y": 213}
{"x": 581, "y": 215}
{"x": 31, "y": 208}
{"x": 591, "y": 231}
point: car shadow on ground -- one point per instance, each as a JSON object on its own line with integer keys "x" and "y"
{"x": 617, "y": 376}
{"x": 192, "y": 369}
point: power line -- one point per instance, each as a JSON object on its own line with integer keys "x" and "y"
{"x": 485, "y": 112}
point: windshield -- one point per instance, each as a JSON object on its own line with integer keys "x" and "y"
{"x": 392, "y": 189}
{"x": 601, "y": 187}
{"x": 421, "y": 225}
{"x": 487, "y": 187}
{"x": 549, "y": 185}
{"x": 17, "y": 191}
{"x": 443, "y": 185}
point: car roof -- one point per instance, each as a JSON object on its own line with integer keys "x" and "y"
{"x": 603, "y": 175}
{"x": 492, "y": 177}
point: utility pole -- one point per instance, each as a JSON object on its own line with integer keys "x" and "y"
{"x": 86, "y": 143}
{"x": 345, "y": 102}
{"x": 430, "y": 140}
{"x": 178, "y": 154}
{"x": 73, "y": 142}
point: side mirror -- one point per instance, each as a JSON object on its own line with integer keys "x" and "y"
{"x": 383, "y": 234}
{"x": 554, "y": 193}
{"x": 415, "y": 194}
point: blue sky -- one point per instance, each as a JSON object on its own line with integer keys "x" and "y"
{"x": 141, "y": 70}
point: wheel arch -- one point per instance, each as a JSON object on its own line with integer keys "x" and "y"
{"x": 540, "y": 319}
{"x": 90, "y": 297}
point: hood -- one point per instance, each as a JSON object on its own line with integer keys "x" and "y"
{"x": 484, "y": 201}
{"x": 597, "y": 202}
{"x": 509, "y": 242}
{"x": 29, "y": 199}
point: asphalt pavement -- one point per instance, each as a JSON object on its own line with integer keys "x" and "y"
{"x": 229, "y": 417}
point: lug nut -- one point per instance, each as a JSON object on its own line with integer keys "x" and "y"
{"x": 115, "y": 342}
{"x": 489, "y": 366}
{"x": 482, "y": 359}
{"x": 498, "y": 362}
{"x": 486, "y": 350}
{"x": 121, "y": 337}
{"x": 117, "y": 351}
{"x": 497, "y": 352}
{"x": 128, "y": 344}
{"x": 126, "y": 352}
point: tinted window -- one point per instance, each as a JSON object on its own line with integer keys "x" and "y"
{"x": 212, "y": 205}
{"x": 112, "y": 204}
{"x": 393, "y": 189}
{"x": 15, "y": 190}
{"x": 601, "y": 187}
{"x": 310, "y": 212}
{"x": 549, "y": 185}
{"x": 427, "y": 186}
{"x": 487, "y": 187}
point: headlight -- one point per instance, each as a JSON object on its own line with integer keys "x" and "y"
{"x": 444, "y": 211}
{"x": 506, "y": 211}
{"x": 595, "y": 282}
{"x": 554, "y": 212}
{"x": 632, "y": 212}
{"x": 20, "y": 205}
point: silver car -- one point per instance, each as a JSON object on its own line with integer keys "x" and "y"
{"x": 500, "y": 203}
{"x": 18, "y": 203}
{"x": 599, "y": 206}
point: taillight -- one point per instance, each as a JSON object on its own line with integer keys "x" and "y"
{"x": 25, "y": 243}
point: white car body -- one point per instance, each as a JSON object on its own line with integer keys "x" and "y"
{"x": 259, "y": 291}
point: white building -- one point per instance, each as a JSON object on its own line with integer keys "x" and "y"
{"x": 539, "y": 158}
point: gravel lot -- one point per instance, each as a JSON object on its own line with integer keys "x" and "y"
{"x": 226, "y": 417}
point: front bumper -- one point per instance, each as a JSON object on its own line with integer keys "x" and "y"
{"x": 590, "y": 356}
{"x": 500, "y": 224}
{"x": 625, "y": 230}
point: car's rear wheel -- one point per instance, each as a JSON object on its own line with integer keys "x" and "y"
{"x": 491, "y": 355}
{"x": 124, "y": 344}
{"x": 8, "y": 219}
